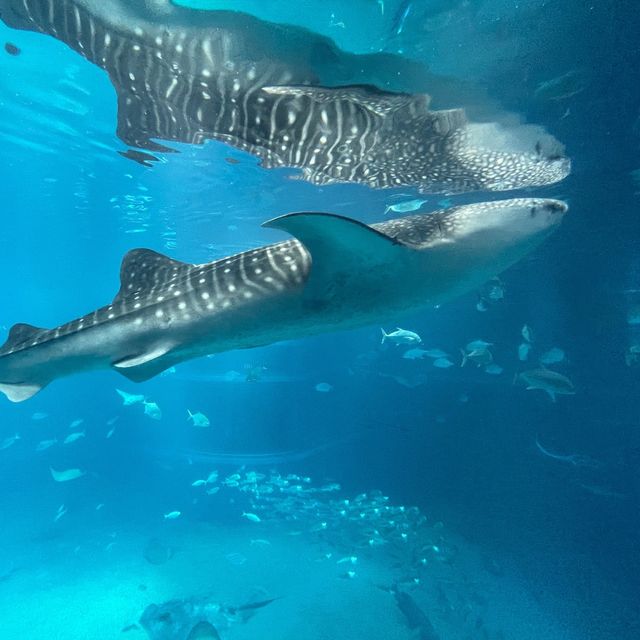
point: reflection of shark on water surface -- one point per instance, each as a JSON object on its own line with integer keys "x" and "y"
{"x": 338, "y": 274}
{"x": 186, "y": 75}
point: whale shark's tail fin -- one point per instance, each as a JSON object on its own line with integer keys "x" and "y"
{"x": 20, "y": 336}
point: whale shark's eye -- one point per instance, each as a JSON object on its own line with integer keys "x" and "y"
{"x": 533, "y": 211}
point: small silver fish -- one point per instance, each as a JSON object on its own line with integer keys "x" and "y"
{"x": 401, "y": 336}
{"x": 551, "y": 382}
{"x": 414, "y": 354}
{"x": 72, "y": 437}
{"x": 45, "y": 444}
{"x": 152, "y": 410}
{"x": 442, "y": 363}
{"x": 172, "y": 515}
{"x": 553, "y": 356}
{"x": 251, "y": 517}
{"x": 66, "y": 475}
{"x": 493, "y": 369}
{"x": 198, "y": 419}
{"x": 523, "y": 351}
{"x": 7, "y": 442}
{"x": 405, "y": 207}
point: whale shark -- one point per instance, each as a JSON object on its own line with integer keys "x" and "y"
{"x": 336, "y": 273}
{"x": 286, "y": 95}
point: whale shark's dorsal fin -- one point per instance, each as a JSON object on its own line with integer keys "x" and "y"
{"x": 339, "y": 247}
{"x": 18, "y": 334}
{"x": 144, "y": 270}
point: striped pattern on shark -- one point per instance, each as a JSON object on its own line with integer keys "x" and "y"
{"x": 337, "y": 274}
{"x": 189, "y": 76}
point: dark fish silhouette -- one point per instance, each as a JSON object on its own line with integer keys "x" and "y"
{"x": 11, "y": 49}
{"x": 338, "y": 274}
{"x": 416, "y": 618}
{"x": 186, "y": 75}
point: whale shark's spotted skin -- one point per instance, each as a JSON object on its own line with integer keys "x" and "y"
{"x": 156, "y": 287}
{"x": 337, "y": 274}
{"x": 188, "y": 76}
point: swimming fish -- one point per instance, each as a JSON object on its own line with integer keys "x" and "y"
{"x": 7, "y": 442}
{"x": 401, "y": 336}
{"x": 66, "y": 475}
{"x": 551, "y": 382}
{"x": 415, "y": 617}
{"x": 527, "y": 334}
{"x": 436, "y": 353}
{"x": 415, "y": 354}
{"x": 251, "y": 517}
{"x": 339, "y": 273}
{"x": 72, "y": 437}
{"x": 152, "y": 410}
{"x": 129, "y": 398}
{"x": 286, "y": 95}
{"x": 172, "y": 515}
{"x": 323, "y": 387}
{"x": 480, "y": 356}
{"x": 62, "y": 510}
{"x": 442, "y": 363}
{"x": 198, "y": 419}
{"x": 199, "y": 483}
{"x": 563, "y": 87}
{"x": 11, "y": 49}
{"x": 478, "y": 344}
{"x": 493, "y": 369}
{"x": 45, "y": 444}
{"x": 553, "y": 356}
{"x": 405, "y": 207}
{"x": 523, "y": 351}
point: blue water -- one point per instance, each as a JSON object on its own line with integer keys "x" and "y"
{"x": 545, "y": 544}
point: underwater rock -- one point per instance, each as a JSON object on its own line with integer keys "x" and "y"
{"x": 196, "y": 618}
{"x": 178, "y": 619}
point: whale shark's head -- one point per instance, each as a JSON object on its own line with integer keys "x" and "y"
{"x": 462, "y": 247}
{"x": 503, "y": 225}
{"x": 481, "y": 240}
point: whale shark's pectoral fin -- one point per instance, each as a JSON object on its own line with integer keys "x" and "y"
{"x": 142, "y": 366}
{"x": 144, "y": 270}
{"x": 341, "y": 249}
{"x": 20, "y": 392}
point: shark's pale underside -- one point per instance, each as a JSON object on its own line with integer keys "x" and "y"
{"x": 336, "y": 274}
{"x": 286, "y": 95}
